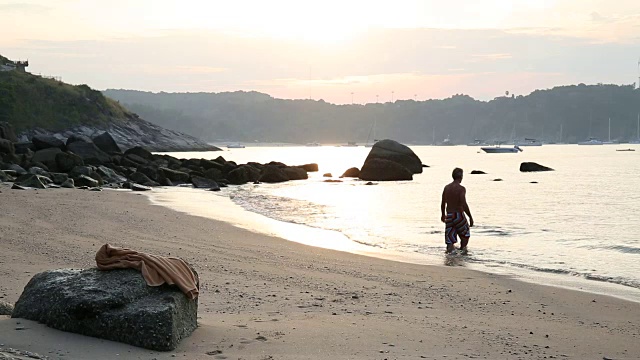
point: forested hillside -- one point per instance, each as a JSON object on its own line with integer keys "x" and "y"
{"x": 581, "y": 111}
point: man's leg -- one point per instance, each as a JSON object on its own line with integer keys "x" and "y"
{"x": 450, "y": 235}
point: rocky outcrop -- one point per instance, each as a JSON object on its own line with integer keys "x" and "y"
{"x": 533, "y": 167}
{"x": 391, "y": 150}
{"x": 106, "y": 143}
{"x": 44, "y": 141}
{"x": 273, "y": 174}
{"x": 116, "y": 305}
{"x": 478, "y": 172}
{"x": 384, "y": 170}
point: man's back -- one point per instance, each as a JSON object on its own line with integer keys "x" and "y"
{"x": 454, "y": 197}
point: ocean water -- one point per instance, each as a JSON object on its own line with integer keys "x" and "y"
{"x": 574, "y": 227}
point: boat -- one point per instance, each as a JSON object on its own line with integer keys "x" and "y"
{"x": 591, "y": 141}
{"x": 528, "y": 142}
{"x": 235, "y": 146}
{"x": 477, "y": 142}
{"x": 626, "y": 149}
{"x": 313, "y": 144}
{"x": 446, "y": 142}
{"x": 499, "y": 150}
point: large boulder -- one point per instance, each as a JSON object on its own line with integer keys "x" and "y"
{"x": 106, "y": 143}
{"x": 532, "y": 167}
{"x": 142, "y": 179}
{"x": 31, "y": 181}
{"x": 7, "y": 133}
{"x": 48, "y": 157}
{"x": 391, "y": 150}
{"x": 7, "y": 147}
{"x": 273, "y": 174}
{"x": 295, "y": 173}
{"x": 44, "y": 141}
{"x": 116, "y": 305}
{"x": 110, "y": 175}
{"x": 175, "y": 176}
{"x": 203, "y": 183}
{"x": 65, "y": 162}
{"x": 89, "y": 153}
{"x": 84, "y": 180}
{"x": 241, "y": 175}
{"x": 309, "y": 167}
{"x": 384, "y": 170}
{"x": 140, "y": 151}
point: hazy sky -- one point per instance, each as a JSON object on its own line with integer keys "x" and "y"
{"x": 327, "y": 49}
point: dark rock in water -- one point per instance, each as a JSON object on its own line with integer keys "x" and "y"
{"x": 309, "y": 167}
{"x": 295, "y": 173}
{"x": 5, "y": 308}
{"x": 142, "y": 179}
{"x": 332, "y": 181}
{"x": 84, "y": 180}
{"x": 58, "y": 178}
{"x": 213, "y": 174}
{"x": 425, "y": 166}
{"x": 391, "y": 150}
{"x": 497, "y": 179}
{"x": 203, "y": 183}
{"x": 353, "y": 172}
{"x": 533, "y": 182}
{"x": 243, "y": 174}
{"x": 31, "y": 181}
{"x": 273, "y": 174}
{"x": 7, "y": 147}
{"x": 116, "y": 305}
{"x": 69, "y": 184}
{"x": 138, "y": 187}
{"x": 140, "y": 151}
{"x": 175, "y": 176}
{"x": 531, "y": 167}
{"x": 43, "y": 141}
{"x": 78, "y": 138}
{"x": 371, "y": 183}
{"x": 65, "y": 162}
{"x": 384, "y": 170}
{"x": 89, "y": 153}
{"x": 48, "y": 157}
{"x": 327, "y": 175}
{"x": 7, "y": 132}
{"x": 210, "y": 164}
{"x": 214, "y": 189}
{"x": 477, "y": 172}
{"x": 106, "y": 143}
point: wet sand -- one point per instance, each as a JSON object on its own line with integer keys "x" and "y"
{"x": 267, "y": 298}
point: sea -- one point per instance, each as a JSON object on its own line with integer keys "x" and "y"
{"x": 576, "y": 227}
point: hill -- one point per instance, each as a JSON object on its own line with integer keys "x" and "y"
{"x": 580, "y": 110}
{"x": 35, "y": 104}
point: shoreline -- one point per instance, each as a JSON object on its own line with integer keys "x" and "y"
{"x": 190, "y": 201}
{"x": 263, "y": 297}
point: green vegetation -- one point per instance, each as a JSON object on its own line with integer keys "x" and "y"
{"x": 28, "y": 101}
{"x": 580, "y": 110}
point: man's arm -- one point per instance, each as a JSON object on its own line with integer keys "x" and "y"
{"x": 465, "y": 206}
{"x": 442, "y": 207}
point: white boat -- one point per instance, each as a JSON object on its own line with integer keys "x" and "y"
{"x": 528, "y": 142}
{"x": 499, "y": 150}
{"x": 313, "y": 144}
{"x": 235, "y": 146}
{"x": 591, "y": 141}
{"x": 446, "y": 142}
{"x": 477, "y": 142}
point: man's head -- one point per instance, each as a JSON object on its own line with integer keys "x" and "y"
{"x": 457, "y": 174}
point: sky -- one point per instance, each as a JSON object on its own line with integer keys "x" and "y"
{"x": 340, "y": 51}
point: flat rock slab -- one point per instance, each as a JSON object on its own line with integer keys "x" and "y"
{"x": 116, "y": 305}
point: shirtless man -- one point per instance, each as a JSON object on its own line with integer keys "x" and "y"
{"x": 455, "y": 201}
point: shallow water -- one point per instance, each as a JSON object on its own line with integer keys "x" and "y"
{"x": 575, "y": 224}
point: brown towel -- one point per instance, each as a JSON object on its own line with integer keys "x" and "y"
{"x": 156, "y": 270}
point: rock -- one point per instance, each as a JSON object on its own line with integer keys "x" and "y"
{"x": 332, "y": 181}
{"x": 45, "y": 141}
{"x": 24, "y": 147}
{"x": 295, "y": 173}
{"x": 175, "y": 176}
{"x": 477, "y": 172}
{"x": 115, "y": 305}
{"x": 391, "y": 150}
{"x": 309, "y": 167}
{"x": 65, "y": 162}
{"x": 533, "y": 182}
{"x": 58, "y": 178}
{"x": 243, "y": 174}
{"x": 78, "y": 138}
{"x": 142, "y": 179}
{"x": 31, "y": 181}
{"x": 531, "y": 167}
{"x": 84, "y": 180}
{"x": 133, "y": 160}
{"x": 89, "y": 153}
{"x": 151, "y": 171}
{"x": 109, "y": 175}
{"x": 69, "y": 184}
{"x": 353, "y": 172}
{"x": 17, "y": 168}
{"x": 497, "y": 179}
{"x": 7, "y": 133}
{"x": 18, "y": 187}
{"x": 203, "y": 183}
{"x": 5, "y": 308}
{"x": 214, "y": 174}
{"x": 38, "y": 171}
{"x": 4, "y": 177}
{"x": 138, "y": 187}
{"x": 273, "y": 174}
{"x": 371, "y": 183}
{"x": 106, "y": 143}
{"x": 214, "y": 189}
{"x": 48, "y": 157}
{"x": 384, "y": 170}
{"x": 327, "y": 175}
{"x": 139, "y": 151}
{"x": 7, "y": 147}
{"x": 210, "y": 164}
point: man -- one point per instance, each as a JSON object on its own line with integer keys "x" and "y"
{"x": 455, "y": 201}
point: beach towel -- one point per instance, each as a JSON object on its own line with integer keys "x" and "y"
{"x": 156, "y": 270}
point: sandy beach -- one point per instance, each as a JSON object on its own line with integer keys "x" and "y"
{"x": 268, "y": 298}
